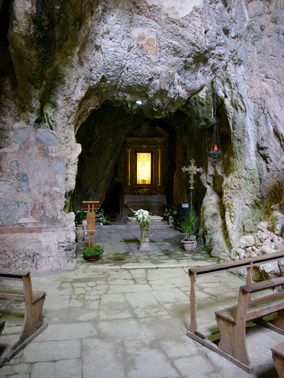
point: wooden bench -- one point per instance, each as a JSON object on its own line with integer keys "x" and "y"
{"x": 33, "y": 323}
{"x": 278, "y": 359}
{"x": 249, "y": 263}
{"x": 232, "y": 320}
{"x": 2, "y": 325}
{"x": 201, "y": 271}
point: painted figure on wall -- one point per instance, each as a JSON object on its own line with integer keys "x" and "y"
{"x": 32, "y": 180}
{"x": 146, "y": 40}
{"x": 21, "y": 180}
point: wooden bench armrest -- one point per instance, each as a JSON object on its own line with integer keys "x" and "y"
{"x": 259, "y": 286}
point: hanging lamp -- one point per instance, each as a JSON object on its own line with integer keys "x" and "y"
{"x": 216, "y": 146}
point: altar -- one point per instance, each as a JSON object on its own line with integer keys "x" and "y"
{"x": 155, "y": 204}
{"x": 142, "y": 171}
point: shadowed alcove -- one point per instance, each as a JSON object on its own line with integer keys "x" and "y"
{"x": 105, "y": 137}
{"x": 115, "y": 135}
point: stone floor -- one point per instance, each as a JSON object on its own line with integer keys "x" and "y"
{"x": 126, "y": 316}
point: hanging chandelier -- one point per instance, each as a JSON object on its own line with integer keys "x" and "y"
{"x": 215, "y": 151}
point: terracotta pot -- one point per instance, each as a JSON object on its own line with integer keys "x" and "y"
{"x": 80, "y": 233}
{"x": 93, "y": 258}
{"x": 188, "y": 245}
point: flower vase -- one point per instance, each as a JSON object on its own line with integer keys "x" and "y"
{"x": 80, "y": 233}
{"x": 84, "y": 223}
{"x": 144, "y": 239}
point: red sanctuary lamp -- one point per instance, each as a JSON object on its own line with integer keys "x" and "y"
{"x": 215, "y": 153}
{"x": 216, "y": 146}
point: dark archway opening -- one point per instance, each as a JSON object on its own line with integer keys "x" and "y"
{"x": 101, "y": 166}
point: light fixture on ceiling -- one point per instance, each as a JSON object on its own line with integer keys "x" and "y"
{"x": 139, "y": 102}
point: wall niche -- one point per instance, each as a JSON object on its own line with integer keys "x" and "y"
{"x": 142, "y": 165}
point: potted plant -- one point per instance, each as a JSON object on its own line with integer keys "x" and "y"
{"x": 112, "y": 217}
{"x": 80, "y": 216}
{"x": 93, "y": 253}
{"x": 189, "y": 227}
{"x": 170, "y": 213}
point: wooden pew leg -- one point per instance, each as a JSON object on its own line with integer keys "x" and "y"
{"x": 2, "y": 325}
{"x": 279, "y": 364}
{"x": 279, "y": 322}
{"x": 233, "y": 339}
{"x": 33, "y": 318}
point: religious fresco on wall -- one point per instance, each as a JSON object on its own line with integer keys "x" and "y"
{"x": 32, "y": 180}
{"x": 146, "y": 40}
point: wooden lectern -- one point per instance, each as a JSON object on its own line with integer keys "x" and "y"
{"x": 91, "y": 206}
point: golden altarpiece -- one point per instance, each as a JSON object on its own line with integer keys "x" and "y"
{"x": 143, "y": 162}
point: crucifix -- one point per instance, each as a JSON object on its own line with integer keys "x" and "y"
{"x": 192, "y": 170}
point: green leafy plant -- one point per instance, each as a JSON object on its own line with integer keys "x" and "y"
{"x": 93, "y": 251}
{"x": 80, "y": 215}
{"x": 189, "y": 225}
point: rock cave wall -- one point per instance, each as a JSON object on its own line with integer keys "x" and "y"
{"x": 63, "y": 60}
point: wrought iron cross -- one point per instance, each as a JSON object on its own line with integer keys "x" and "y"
{"x": 192, "y": 170}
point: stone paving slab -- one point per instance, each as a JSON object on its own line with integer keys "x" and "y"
{"x": 127, "y": 316}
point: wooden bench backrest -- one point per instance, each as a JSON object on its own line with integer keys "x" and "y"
{"x": 246, "y": 290}
{"x": 259, "y": 286}
{"x": 24, "y": 275}
{"x": 13, "y": 274}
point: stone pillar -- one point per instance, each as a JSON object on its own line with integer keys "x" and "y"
{"x": 127, "y": 186}
{"x": 161, "y": 189}
{"x": 160, "y": 166}
{"x": 128, "y": 165}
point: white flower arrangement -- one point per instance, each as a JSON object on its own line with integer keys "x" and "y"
{"x": 100, "y": 217}
{"x": 171, "y": 211}
{"x": 143, "y": 217}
